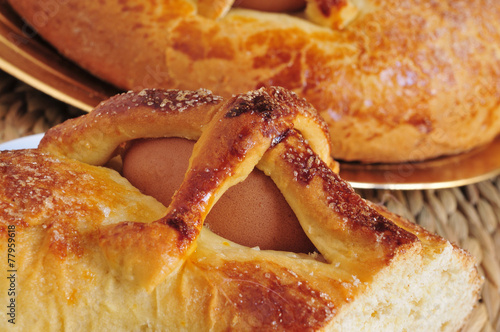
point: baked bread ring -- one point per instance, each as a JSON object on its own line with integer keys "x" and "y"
{"x": 395, "y": 80}
{"x": 95, "y": 254}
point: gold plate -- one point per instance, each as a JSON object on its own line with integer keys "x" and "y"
{"x": 445, "y": 172}
{"x": 24, "y": 55}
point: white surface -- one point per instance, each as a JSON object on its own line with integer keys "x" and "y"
{"x": 28, "y": 142}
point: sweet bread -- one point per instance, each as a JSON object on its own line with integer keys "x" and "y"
{"x": 395, "y": 80}
{"x": 93, "y": 253}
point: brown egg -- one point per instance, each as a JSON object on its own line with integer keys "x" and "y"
{"x": 252, "y": 213}
{"x": 281, "y": 6}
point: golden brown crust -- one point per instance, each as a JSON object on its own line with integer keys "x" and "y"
{"x": 142, "y": 265}
{"x": 399, "y": 81}
{"x": 68, "y": 199}
{"x": 156, "y": 114}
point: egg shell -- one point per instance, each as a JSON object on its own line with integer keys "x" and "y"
{"x": 253, "y": 213}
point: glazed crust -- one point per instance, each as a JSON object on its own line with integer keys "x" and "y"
{"x": 97, "y": 254}
{"x": 395, "y": 80}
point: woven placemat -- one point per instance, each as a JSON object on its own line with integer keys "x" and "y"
{"x": 25, "y": 111}
{"x": 468, "y": 216}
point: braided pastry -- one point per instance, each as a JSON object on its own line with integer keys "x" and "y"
{"x": 395, "y": 80}
{"x": 95, "y": 254}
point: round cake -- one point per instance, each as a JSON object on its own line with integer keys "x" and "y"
{"x": 395, "y": 80}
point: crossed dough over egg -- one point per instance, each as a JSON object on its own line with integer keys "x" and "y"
{"x": 271, "y": 129}
{"x": 374, "y": 270}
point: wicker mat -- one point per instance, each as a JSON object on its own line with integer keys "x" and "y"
{"x": 468, "y": 216}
